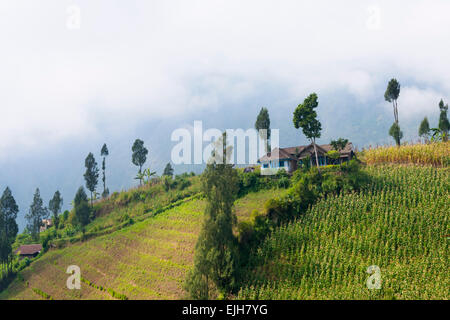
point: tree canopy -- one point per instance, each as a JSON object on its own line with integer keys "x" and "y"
{"x": 391, "y": 95}
{"x": 168, "y": 170}
{"x": 305, "y": 117}
{"x": 55, "y": 205}
{"x": 339, "y": 144}
{"x": 396, "y": 133}
{"x": 8, "y": 227}
{"x": 104, "y": 153}
{"x": 36, "y": 214}
{"x": 424, "y": 128}
{"x": 444, "y": 124}
{"x": 91, "y": 174}
{"x": 263, "y": 123}
{"x": 81, "y": 208}
{"x": 139, "y": 155}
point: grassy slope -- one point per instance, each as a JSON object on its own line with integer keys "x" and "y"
{"x": 147, "y": 260}
{"x": 399, "y": 223}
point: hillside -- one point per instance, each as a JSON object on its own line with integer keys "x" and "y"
{"x": 147, "y": 260}
{"x": 399, "y": 222}
{"x": 324, "y": 235}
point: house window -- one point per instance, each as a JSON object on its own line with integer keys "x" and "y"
{"x": 281, "y": 163}
{"x": 265, "y": 165}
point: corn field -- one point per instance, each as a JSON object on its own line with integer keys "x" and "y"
{"x": 399, "y": 223}
{"x": 435, "y": 154}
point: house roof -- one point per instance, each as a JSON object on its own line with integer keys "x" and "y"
{"x": 276, "y": 154}
{"x": 29, "y": 249}
{"x": 292, "y": 153}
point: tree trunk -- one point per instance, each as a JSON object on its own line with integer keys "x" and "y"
{"x": 395, "y": 111}
{"x": 315, "y": 151}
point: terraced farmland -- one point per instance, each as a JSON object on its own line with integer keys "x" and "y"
{"x": 147, "y": 260}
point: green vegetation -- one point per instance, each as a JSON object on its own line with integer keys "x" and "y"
{"x": 399, "y": 222}
{"x": 42, "y": 294}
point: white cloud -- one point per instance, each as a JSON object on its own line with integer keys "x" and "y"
{"x": 138, "y": 59}
{"x": 415, "y": 101}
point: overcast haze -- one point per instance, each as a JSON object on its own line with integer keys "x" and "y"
{"x": 140, "y": 69}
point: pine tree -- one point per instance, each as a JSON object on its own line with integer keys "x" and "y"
{"x": 91, "y": 174}
{"x": 36, "y": 214}
{"x": 8, "y": 227}
{"x": 168, "y": 170}
{"x": 263, "y": 123}
{"x": 216, "y": 254}
{"x": 81, "y": 208}
{"x": 54, "y": 206}
{"x": 444, "y": 124}
{"x": 424, "y": 129}
{"x": 104, "y": 153}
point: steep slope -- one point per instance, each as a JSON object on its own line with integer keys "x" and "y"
{"x": 399, "y": 223}
{"x": 147, "y": 260}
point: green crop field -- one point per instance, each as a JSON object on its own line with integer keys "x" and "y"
{"x": 147, "y": 260}
{"x": 400, "y": 223}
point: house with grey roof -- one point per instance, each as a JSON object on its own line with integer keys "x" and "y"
{"x": 289, "y": 158}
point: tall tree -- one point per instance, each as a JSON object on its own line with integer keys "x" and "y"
{"x": 168, "y": 170}
{"x": 305, "y": 117}
{"x": 139, "y": 155}
{"x": 263, "y": 123}
{"x": 35, "y": 215}
{"x": 104, "y": 154}
{"x": 8, "y": 227}
{"x": 81, "y": 207}
{"x": 91, "y": 174}
{"x": 216, "y": 249}
{"x": 54, "y": 206}
{"x": 444, "y": 124}
{"x": 391, "y": 95}
{"x": 424, "y": 129}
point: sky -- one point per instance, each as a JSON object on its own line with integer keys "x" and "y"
{"x": 75, "y": 74}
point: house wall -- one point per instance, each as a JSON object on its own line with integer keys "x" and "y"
{"x": 274, "y": 165}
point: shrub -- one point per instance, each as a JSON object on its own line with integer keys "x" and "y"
{"x": 284, "y": 182}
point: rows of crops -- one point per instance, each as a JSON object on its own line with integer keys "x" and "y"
{"x": 436, "y": 154}
{"x": 398, "y": 223}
